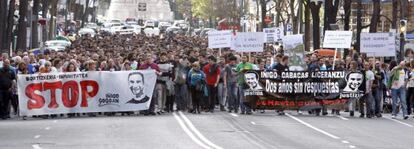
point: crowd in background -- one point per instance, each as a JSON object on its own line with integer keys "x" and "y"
{"x": 196, "y": 79}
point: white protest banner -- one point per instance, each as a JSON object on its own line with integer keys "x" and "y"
{"x": 273, "y": 34}
{"x": 337, "y": 39}
{"x": 249, "y": 42}
{"x": 219, "y": 39}
{"x": 378, "y": 44}
{"x": 83, "y": 92}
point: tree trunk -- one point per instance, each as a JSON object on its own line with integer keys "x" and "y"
{"x": 264, "y": 11}
{"x": 10, "y": 23}
{"x": 45, "y": 9}
{"x": 331, "y": 11}
{"x": 375, "y": 16}
{"x": 35, "y": 33}
{"x": 293, "y": 16}
{"x": 85, "y": 14}
{"x": 347, "y": 20}
{"x": 307, "y": 26}
{"x": 359, "y": 26}
{"x": 315, "y": 17}
{"x": 22, "y": 27}
{"x": 347, "y": 11}
{"x": 53, "y": 14}
{"x": 394, "y": 14}
{"x": 3, "y": 16}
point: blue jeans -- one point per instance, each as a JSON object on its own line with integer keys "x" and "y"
{"x": 377, "y": 102}
{"x": 399, "y": 95}
{"x": 221, "y": 94}
{"x": 232, "y": 99}
{"x": 244, "y": 105}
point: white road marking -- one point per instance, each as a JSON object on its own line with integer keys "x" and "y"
{"x": 351, "y": 146}
{"x": 189, "y": 133}
{"x": 55, "y": 121}
{"x": 399, "y": 122}
{"x": 47, "y": 128}
{"x": 36, "y": 146}
{"x": 37, "y": 136}
{"x": 201, "y": 136}
{"x": 343, "y": 118}
{"x": 345, "y": 142}
{"x": 253, "y": 123}
{"x": 313, "y": 127}
{"x": 234, "y": 114}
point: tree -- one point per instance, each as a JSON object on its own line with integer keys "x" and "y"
{"x": 307, "y": 25}
{"x": 315, "y": 8}
{"x": 394, "y": 14}
{"x": 45, "y": 9}
{"x": 10, "y": 23}
{"x": 36, "y": 7}
{"x": 375, "y": 18}
{"x": 3, "y": 16}
{"x": 22, "y": 26}
{"x": 359, "y": 26}
{"x": 331, "y": 11}
{"x": 347, "y": 11}
{"x": 52, "y": 21}
{"x": 85, "y": 14}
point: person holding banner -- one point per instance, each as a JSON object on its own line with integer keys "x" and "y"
{"x": 149, "y": 64}
{"x": 242, "y": 68}
{"x": 7, "y": 76}
{"x": 367, "y": 98}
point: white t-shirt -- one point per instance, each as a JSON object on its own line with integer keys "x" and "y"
{"x": 369, "y": 76}
{"x": 401, "y": 81}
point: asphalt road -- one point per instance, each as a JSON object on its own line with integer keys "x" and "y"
{"x": 209, "y": 131}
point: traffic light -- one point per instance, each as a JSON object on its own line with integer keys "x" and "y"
{"x": 403, "y": 26}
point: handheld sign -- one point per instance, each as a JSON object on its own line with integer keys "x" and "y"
{"x": 219, "y": 39}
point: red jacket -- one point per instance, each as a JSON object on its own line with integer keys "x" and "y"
{"x": 211, "y": 79}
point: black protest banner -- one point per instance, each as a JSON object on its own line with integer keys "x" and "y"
{"x": 292, "y": 90}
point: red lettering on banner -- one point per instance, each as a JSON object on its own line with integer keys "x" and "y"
{"x": 71, "y": 101}
{"x": 52, "y": 87}
{"x": 85, "y": 93}
{"x": 70, "y": 93}
{"x": 271, "y": 102}
{"x": 35, "y": 101}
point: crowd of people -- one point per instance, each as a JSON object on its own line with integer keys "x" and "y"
{"x": 196, "y": 79}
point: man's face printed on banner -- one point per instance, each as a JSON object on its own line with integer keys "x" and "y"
{"x": 136, "y": 84}
{"x": 252, "y": 81}
{"x": 354, "y": 81}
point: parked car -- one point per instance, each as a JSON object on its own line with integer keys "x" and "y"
{"x": 85, "y": 31}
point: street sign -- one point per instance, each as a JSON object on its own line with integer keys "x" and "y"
{"x": 219, "y": 39}
{"x": 273, "y": 34}
{"x": 378, "y": 44}
{"x": 337, "y": 39}
{"x": 142, "y": 6}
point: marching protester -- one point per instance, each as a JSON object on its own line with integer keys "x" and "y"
{"x": 150, "y": 65}
{"x": 397, "y": 83}
{"x": 410, "y": 89}
{"x": 197, "y": 82}
{"x": 231, "y": 74}
{"x": 191, "y": 77}
{"x": 242, "y": 68}
{"x": 212, "y": 72}
{"x": 7, "y": 77}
